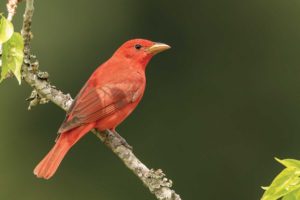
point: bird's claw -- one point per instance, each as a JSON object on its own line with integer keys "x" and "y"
{"x": 122, "y": 141}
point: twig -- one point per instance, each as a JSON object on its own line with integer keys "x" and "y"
{"x": 11, "y": 8}
{"x": 155, "y": 180}
{"x": 26, "y": 29}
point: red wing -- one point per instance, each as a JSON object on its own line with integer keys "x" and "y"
{"x": 98, "y": 103}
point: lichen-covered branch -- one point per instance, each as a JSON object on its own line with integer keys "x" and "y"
{"x": 43, "y": 91}
{"x": 26, "y": 29}
{"x": 155, "y": 180}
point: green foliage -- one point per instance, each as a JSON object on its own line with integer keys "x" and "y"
{"x": 6, "y": 29}
{"x": 292, "y": 195}
{"x": 12, "y": 50}
{"x": 286, "y": 184}
{"x": 12, "y": 57}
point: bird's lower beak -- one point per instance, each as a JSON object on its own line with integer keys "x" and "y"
{"x": 157, "y": 48}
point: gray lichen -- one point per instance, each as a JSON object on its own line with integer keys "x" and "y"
{"x": 35, "y": 99}
{"x": 156, "y": 179}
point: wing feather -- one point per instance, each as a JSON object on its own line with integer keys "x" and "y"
{"x": 97, "y": 103}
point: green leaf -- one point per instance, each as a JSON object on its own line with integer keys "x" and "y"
{"x": 264, "y": 187}
{"x": 289, "y": 162}
{"x": 286, "y": 182}
{"x": 12, "y": 57}
{"x": 6, "y": 29}
{"x": 295, "y": 195}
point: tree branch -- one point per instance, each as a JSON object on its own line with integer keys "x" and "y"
{"x": 43, "y": 92}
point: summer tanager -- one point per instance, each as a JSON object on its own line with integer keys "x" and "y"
{"x": 111, "y": 93}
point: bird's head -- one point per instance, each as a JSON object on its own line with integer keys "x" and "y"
{"x": 140, "y": 50}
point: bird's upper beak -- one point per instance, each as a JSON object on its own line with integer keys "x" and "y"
{"x": 157, "y": 48}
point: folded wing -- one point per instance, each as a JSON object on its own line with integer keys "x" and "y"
{"x": 96, "y": 103}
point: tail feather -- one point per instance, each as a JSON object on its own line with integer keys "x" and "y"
{"x": 48, "y": 166}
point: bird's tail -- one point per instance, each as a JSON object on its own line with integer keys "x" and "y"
{"x": 48, "y": 166}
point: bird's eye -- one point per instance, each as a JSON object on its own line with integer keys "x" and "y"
{"x": 138, "y": 46}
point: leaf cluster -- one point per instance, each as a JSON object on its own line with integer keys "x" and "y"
{"x": 286, "y": 185}
{"x": 12, "y": 46}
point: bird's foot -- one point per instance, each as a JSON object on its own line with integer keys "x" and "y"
{"x": 122, "y": 140}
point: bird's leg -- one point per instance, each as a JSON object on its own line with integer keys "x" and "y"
{"x": 122, "y": 140}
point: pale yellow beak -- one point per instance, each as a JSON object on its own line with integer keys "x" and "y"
{"x": 157, "y": 48}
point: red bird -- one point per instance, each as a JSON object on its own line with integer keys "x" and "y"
{"x": 108, "y": 97}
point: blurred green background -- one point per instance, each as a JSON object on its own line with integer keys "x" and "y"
{"x": 218, "y": 106}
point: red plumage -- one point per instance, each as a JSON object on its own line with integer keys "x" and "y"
{"x": 108, "y": 97}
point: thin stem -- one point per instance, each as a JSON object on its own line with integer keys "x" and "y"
{"x": 11, "y": 8}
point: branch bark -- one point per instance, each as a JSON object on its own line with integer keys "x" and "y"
{"x": 43, "y": 92}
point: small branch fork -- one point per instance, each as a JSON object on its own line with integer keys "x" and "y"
{"x": 43, "y": 92}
